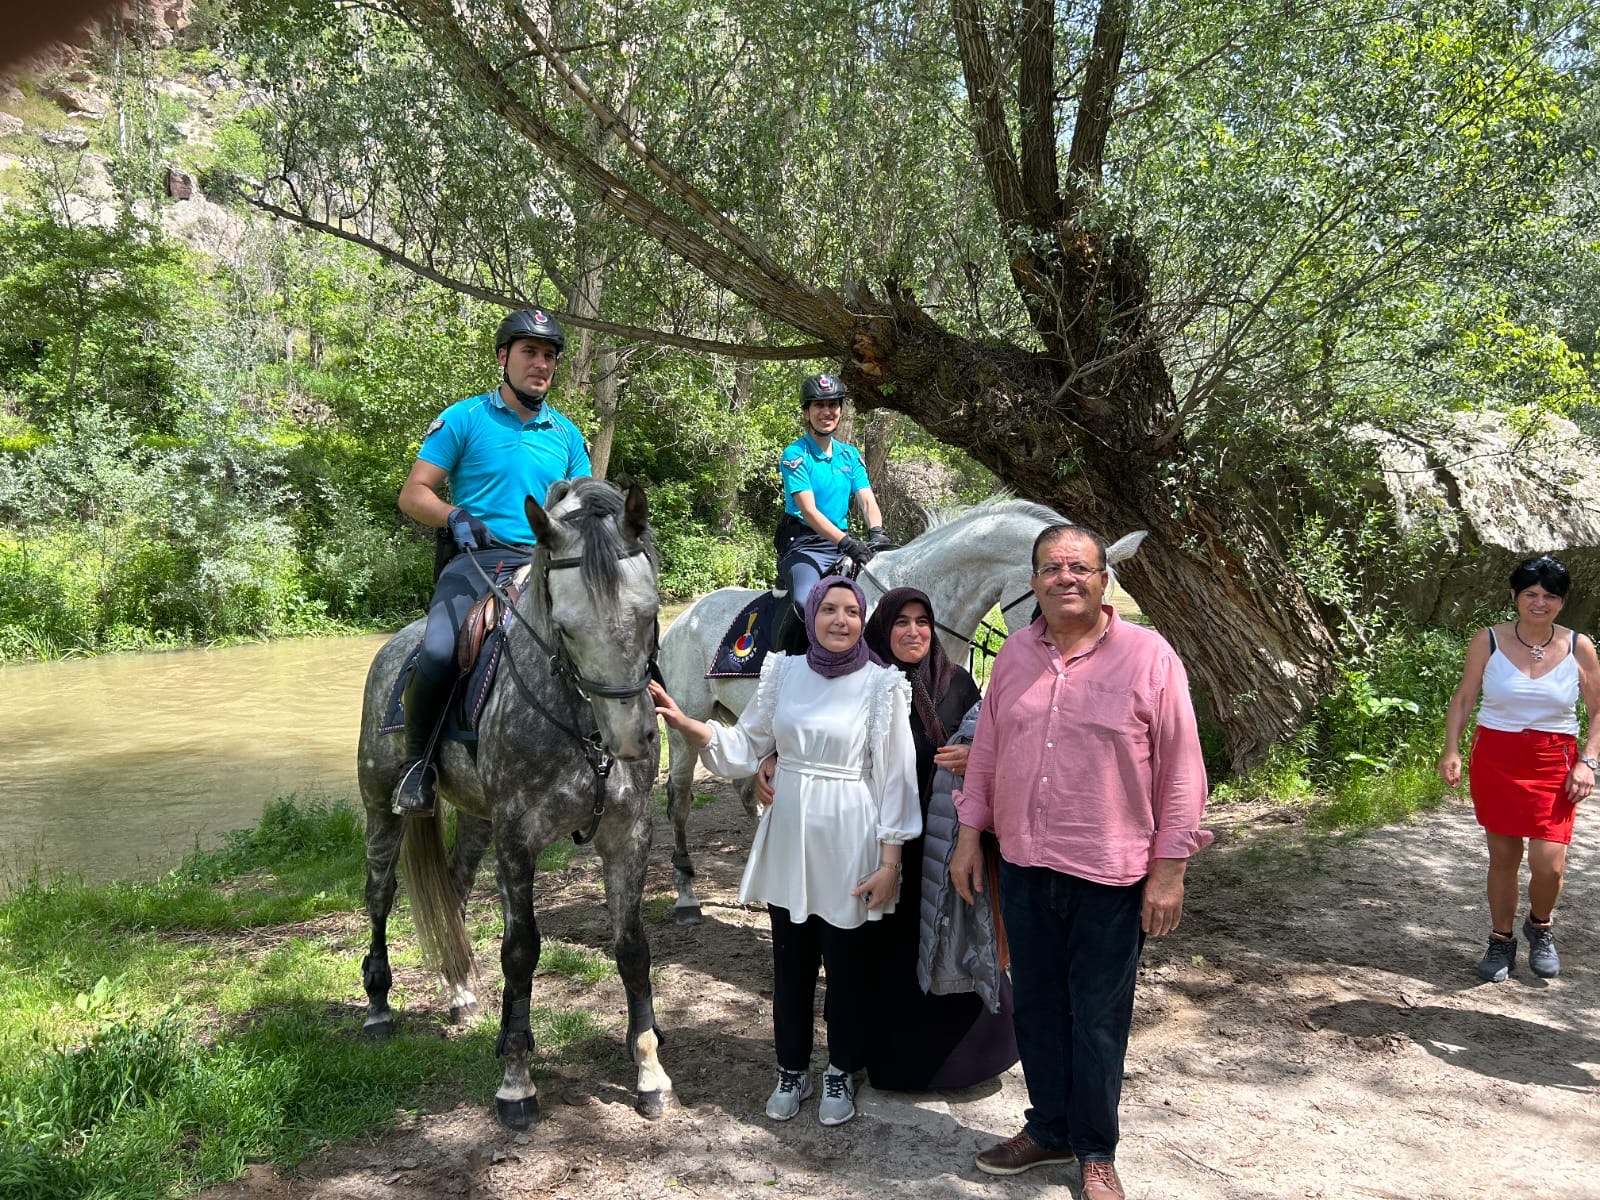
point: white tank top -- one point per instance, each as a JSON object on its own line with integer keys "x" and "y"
{"x": 1512, "y": 702}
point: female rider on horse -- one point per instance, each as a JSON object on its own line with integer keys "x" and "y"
{"x": 820, "y": 474}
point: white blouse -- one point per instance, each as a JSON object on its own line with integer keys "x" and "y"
{"x": 1513, "y": 702}
{"x": 846, "y": 780}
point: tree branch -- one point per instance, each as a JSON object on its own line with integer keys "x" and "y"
{"x": 436, "y": 22}
{"x": 1036, "y": 91}
{"x": 1093, "y": 126}
{"x": 656, "y": 337}
{"x": 988, "y": 114}
{"x": 611, "y": 124}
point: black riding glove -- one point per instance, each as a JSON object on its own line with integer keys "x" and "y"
{"x": 856, "y": 551}
{"x": 468, "y": 532}
{"x": 879, "y": 540}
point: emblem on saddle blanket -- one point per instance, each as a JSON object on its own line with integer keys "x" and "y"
{"x": 744, "y": 647}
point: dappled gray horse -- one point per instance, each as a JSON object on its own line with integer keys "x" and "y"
{"x": 567, "y": 745}
{"x": 967, "y": 561}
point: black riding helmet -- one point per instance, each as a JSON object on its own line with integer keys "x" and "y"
{"x": 530, "y": 323}
{"x": 823, "y": 387}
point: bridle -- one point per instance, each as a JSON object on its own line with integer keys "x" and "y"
{"x": 562, "y": 667}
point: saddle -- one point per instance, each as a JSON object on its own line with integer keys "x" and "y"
{"x": 487, "y": 615}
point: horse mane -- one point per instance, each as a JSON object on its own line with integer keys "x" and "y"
{"x": 1001, "y": 503}
{"x": 597, "y": 518}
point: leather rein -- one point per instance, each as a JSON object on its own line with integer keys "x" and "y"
{"x": 562, "y": 667}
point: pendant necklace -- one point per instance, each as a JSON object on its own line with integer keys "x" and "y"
{"x": 1536, "y": 651}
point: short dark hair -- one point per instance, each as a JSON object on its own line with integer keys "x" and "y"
{"x": 1051, "y": 533}
{"x": 1548, "y": 573}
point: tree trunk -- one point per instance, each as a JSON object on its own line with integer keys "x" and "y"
{"x": 1210, "y": 577}
{"x": 731, "y": 479}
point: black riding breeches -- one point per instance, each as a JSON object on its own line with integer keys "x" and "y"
{"x": 458, "y": 589}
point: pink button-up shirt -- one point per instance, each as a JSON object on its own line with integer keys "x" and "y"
{"x": 1090, "y": 765}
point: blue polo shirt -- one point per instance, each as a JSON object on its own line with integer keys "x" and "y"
{"x": 831, "y": 478}
{"x": 495, "y": 459}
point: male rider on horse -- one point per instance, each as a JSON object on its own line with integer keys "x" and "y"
{"x": 820, "y": 474}
{"x": 495, "y": 450}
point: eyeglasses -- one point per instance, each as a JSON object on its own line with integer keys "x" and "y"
{"x": 1076, "y": 570}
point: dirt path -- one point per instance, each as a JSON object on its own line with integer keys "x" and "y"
{"x": 1315, "y": 1029}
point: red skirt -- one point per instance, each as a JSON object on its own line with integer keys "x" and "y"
{"x": 1519, "y": 783}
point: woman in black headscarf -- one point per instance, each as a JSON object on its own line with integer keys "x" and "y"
{"x": 921, "y": 1042}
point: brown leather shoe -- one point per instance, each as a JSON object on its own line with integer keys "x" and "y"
{"x": 1100, "y": 1182}
{"x": 1019, "y": 1154}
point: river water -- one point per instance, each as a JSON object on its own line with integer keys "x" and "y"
{"x": 115, "y": 767}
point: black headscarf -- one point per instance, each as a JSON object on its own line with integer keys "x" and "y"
{"x": 930, "y": 678}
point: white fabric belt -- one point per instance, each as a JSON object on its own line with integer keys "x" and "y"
{"x": 822, "y": 770}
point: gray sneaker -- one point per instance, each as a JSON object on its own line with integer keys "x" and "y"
{"x": 793, "y": 1087}
{"x": 1497, "y": 960}
{"x": 838, "y": 1097}
{"x": 1542, "y": 956}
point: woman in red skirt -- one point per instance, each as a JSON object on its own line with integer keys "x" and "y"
{"x": 1526, "y": 772}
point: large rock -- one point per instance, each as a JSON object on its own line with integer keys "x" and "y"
{"x": 78, "y": 100}
{"x": 9, "y": 124}
{"x": 1485, "y": 495}
{"x": 65, "y": 139}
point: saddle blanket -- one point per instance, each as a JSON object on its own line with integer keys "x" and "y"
{"x": 744, "y": 646}
{"x": 472, "y": 693}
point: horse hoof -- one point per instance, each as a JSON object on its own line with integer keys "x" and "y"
{"x": 653, "y": 1106}
{"x": 687, "y": 914}
{"x": 517, "y": 1114}
{"x": 464, "y": 1014}
{"x": 378, "y": 1029}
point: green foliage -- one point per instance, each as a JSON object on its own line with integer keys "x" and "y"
{"x": 1367, "y": 755}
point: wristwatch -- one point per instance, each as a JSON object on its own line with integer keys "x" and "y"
{"x": 1592, "y": 763}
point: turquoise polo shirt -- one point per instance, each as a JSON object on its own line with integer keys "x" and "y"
{"x": 831, "y": 478}
{"x": 495, "y": 459}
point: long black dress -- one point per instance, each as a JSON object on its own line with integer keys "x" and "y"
{"x": 918, "y": 1042}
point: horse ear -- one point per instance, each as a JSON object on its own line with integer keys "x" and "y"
{"x": 636, "y": 512}
{"x": 539, "y": 519}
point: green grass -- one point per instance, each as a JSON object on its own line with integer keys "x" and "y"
{"x": 575, "y": 962}
{"x": 155, "y": 1037}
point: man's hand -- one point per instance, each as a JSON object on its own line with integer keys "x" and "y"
{"x": 966, "y": 864}
{"x": 469, "y": 532}
{"x": 855, "y": 550}
{"x": 879, "y": 540}
{"x": 1163, "y": 897}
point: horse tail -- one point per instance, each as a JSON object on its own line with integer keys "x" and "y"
{"x": 435, "y": 907}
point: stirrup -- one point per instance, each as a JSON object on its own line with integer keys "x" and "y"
{"x": 414, "y": 794}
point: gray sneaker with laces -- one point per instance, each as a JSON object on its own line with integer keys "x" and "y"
{"x": 1542, "y": 956}
{"x": 1497, "y": 960}
{"x": 838, "y": 1097}
{"x": 793, "y": 1087}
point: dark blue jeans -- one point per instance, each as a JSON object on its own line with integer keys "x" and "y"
{"x": 1074, "y": 958}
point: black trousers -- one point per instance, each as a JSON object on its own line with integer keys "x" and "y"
{"x": 799, "y": 949}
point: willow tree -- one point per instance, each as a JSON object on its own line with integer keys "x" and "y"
{"x": 1144, "y": 259}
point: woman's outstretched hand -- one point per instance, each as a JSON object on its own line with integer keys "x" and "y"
{"x": 696, "y": 733}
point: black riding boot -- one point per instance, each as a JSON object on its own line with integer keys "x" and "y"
{"x": 425, "y": 703}
{"x": 789, "y": 630}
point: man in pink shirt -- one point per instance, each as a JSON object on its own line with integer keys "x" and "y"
{"x": 1087, "y": 766}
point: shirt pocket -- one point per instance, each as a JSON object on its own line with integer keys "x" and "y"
{"x": 1113, "y": 714}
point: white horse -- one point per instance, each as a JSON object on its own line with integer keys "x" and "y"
{"x": 967, "y": 561}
